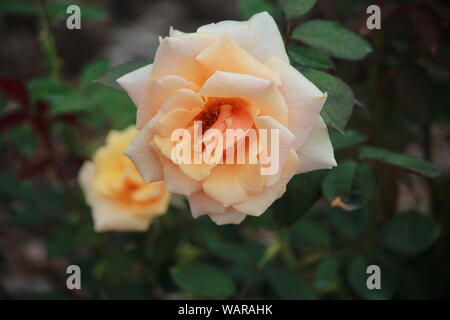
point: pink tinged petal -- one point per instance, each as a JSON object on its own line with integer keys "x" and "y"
{"x": 225, "y": 55}
{"x": 202, "y": 204}
{"x": 256, "y": 205}
{"x": 134, "y": 82}
{"x": 285, "y": 142}
{"x": 176, "y": 56}
{"x": 304, "y": 99}
{"x": 230, "y": 216}
{"x": 159, "y": 91}
{"x": 262, "y": 93}
{"x": 176, "y": 181}
{"x": 144, "y": 156}
{"x": 259, "y": 36}
{"x": 317, "y": 152}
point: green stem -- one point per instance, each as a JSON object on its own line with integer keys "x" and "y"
{"x": 47, "y": 41}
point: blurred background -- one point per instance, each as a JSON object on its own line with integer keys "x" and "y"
{"x": 53, "y": 117}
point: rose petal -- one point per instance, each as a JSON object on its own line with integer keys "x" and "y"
{"x": 256, "y": 205}
{"x": 134, "y": 82}
{"x": 143, "y": 155}
{"x": 176, "y": 56}
{"x": 259, "y": 36}
{"x": 303, "y": 98}
{"x": 264, "y": 94}
{"x": 317, "y": 152}
{"x": 230, "y": 216}
{"x": 202, "y": 204}
{"x": 234, "y": 183}
{"x": 225, "y": 55}
{"x": 167, "y": 89}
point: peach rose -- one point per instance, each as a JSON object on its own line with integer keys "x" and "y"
{"x": 229, "y": 75}
{"x": 119, "y": 199}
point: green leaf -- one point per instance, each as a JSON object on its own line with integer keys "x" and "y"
{"x": 203, "y": 280}
{"x": 17, "y": 7}
{"x": 349, "y": 139}
{"x": 296, "y": 8}
{"x": 109, "y": 78}
{"x": 248, "y": 8}
{"x": 326, "y": 274}
{"x": 289, "y": 285}
{"x": 354, "y": 183}
{"x": 311, "y": 232}
{"x": 357, "y": 276}
{"x": 333, "y": 39}
{"x": 409, "y": 232}
{"x": 310, "y": 57}
{"x": 92, "y": 71}
{"x": 230, "y": 251}
{"x": 413, "y": 164}
{"x": 339, "y": 104}
{"x": 351, "y": 224}
{"x": 307, "y": 185}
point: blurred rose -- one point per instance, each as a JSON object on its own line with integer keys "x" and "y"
{"x": 228, "y": 75}
{"x": 119, "y": 199}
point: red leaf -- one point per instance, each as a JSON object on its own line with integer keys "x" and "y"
{"x": 12, "y": 119}
{"x": 15, "y": 90}
{"x": 34, "y": 168}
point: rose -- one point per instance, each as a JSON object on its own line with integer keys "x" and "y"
{"x": 226, "y": 75}
{"x": 119, "y": 198}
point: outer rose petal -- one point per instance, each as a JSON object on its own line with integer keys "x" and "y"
{"x": 317, "y": 152}
{"x": 158, "y": 91}
{"x": 176, "y": 56}
{"x": 261, "y": 92}
{"x": 259, "y": 36}
{"x": 230, "y": 216}
{"x": 286, "y": 139}
{"x": 304, "y": 99}
{"x": 144, "y": 156}
{"x": 134, "y": 82}
{"x": 202, "y": 204}
{"x": 256, "y": 205}
{"x": 107, "y": 216}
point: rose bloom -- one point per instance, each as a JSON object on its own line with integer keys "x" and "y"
{"x": 229, "y": 75}
{"x": 119, "y": 198}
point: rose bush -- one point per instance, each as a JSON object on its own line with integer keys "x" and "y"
{"x": 120, "y": 200}
{"x": 228, "y": 75}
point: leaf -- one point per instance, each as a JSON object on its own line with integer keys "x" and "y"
{"x": 296, "y": 8}
{"x": 248, "y": 8}
{"x": 18, "y": 7}
{"x": 357, "y": 276}
{"x": 289, "y": 285}
{"x": 349, "y": 139}
{"x": 109, "y": 78}
{"x": 203, "y": 280}
{"x": 339, "y": 104}
{"x": 351, "y": 224}
{"x": 307, "y": 185}
{"x": 409, "y": 232}
{"x": 310, "y": 57}
{"x": 14, "y": 89}
{"x": 333, "y": 39}
{"x": 326, "y": 274}
{"x": 92, "y": 71}
{"x": 354, "y": 183}
{"x": 234, "y": 251}
{"x": 413, "y": 164}
{"x": 311, "y": 232}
